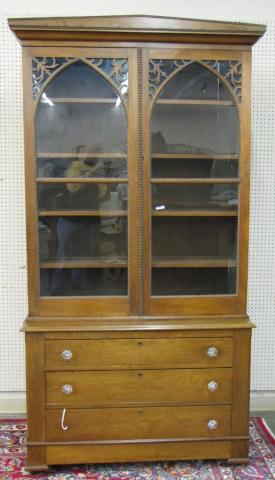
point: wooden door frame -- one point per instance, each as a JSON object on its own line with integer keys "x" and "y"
{"x": 200, "y": 305}
{"x": 75, "y": 306}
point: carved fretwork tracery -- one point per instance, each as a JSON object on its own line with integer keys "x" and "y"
{"x": 116, "y": 69}
{"x": 42, "y": 70}
{"x": 229, "y": 71}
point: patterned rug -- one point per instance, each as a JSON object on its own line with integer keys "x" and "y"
{"x": 261, "y": 466}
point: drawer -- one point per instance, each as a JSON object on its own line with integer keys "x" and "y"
{"x": 138, "y": 423}
{"x": 119, "y": 353}
{"x": 190, "y": 386}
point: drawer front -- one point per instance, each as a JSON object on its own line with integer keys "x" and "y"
{"x": 138, "y": 423}
{"x": 180, "y": 352}
{"x": 190, "y": 386}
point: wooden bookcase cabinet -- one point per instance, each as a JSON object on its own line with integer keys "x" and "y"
{"x": 137, "y": 148}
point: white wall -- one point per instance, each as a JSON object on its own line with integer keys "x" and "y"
{"x": 214, "y": 9}
{"x": 13, "y": 296}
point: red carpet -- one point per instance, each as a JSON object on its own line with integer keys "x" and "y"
{"x": 261, "y": 466}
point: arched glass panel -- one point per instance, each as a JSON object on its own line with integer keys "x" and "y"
{"x": 194, "y": 186}
{"x": 195, "y": 82}
{"x": 81, "y": 149}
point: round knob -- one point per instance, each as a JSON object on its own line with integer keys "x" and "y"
{"x": 212, "y": 386}
{"x": 212, "y": 352}
{"x": 140, "y": 375}
{"x": 212, "y": 424}
{"x": 140, "y": 343}
{"x": 67, "y": 355}
{"x": 67, "y": 389}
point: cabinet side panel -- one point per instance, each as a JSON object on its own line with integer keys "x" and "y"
{"x": 240, "y": 393}
{"x": 245, "y": 132}
{"x": 31, "y": 213}
{"x": 35, "y": 382}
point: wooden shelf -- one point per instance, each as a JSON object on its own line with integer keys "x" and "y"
{"x": 81, "y": 180}
{"x": 82, "y": 213}
{"x": 80, "y": 155}
{"x": 195, "y": 180}
{"x": 99, "y": 262}
{"x": 192, "y": 262}
{"x": 83, "y": 100}
{"x": 195, "y": 156}
{"x": 175, "y": 101}
{"x": 194, "y": 213}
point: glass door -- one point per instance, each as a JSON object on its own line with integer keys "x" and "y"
{"x": 192, "y": 181}
{"x": 82, "y": 178}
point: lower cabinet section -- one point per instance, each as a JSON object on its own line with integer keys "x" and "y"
{"x": 139, "y": 423}
{"x": 158, "y": 412}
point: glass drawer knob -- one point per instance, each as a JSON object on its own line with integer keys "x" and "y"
{"x": 212, "y": 386}
{"x": 212, "y": 352}
{"x": 67, "y": 355}
{"x": 67, "y": 389}
{"x": 212, "y": 424}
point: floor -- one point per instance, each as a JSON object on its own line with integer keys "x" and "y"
{"x": 268, "y": 416}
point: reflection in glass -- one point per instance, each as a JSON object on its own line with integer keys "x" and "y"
{"x": 79, "y": 242}
{"x": 71, "y": 238}
{"x": 194, "y": 134}
{"x": 81, "y": 132}
{"x": 59, "y": 167}
{"x": 82, "y": 196}
{"x": 69, "y": 127}
{"x": 83, "y": 282}
{"x": 79, "y": 108}
{"x": 194, "y": 197}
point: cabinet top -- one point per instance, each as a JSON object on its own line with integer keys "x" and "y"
{"x": 137, "y": 28}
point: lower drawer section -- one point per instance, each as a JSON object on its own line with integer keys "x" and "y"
{"x": 103, "y": 388}
{"x": 139, "y": 423}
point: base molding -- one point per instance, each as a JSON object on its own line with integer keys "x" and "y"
{"x": 262, "y": 401}
{"x": 56, "y": 455}
{"x": 137, "y": 441}
{"x": 36, "y": 468}
{"x": 13, "y": 403}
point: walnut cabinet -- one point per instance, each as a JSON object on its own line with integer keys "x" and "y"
{"x": 137, "y": 149}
